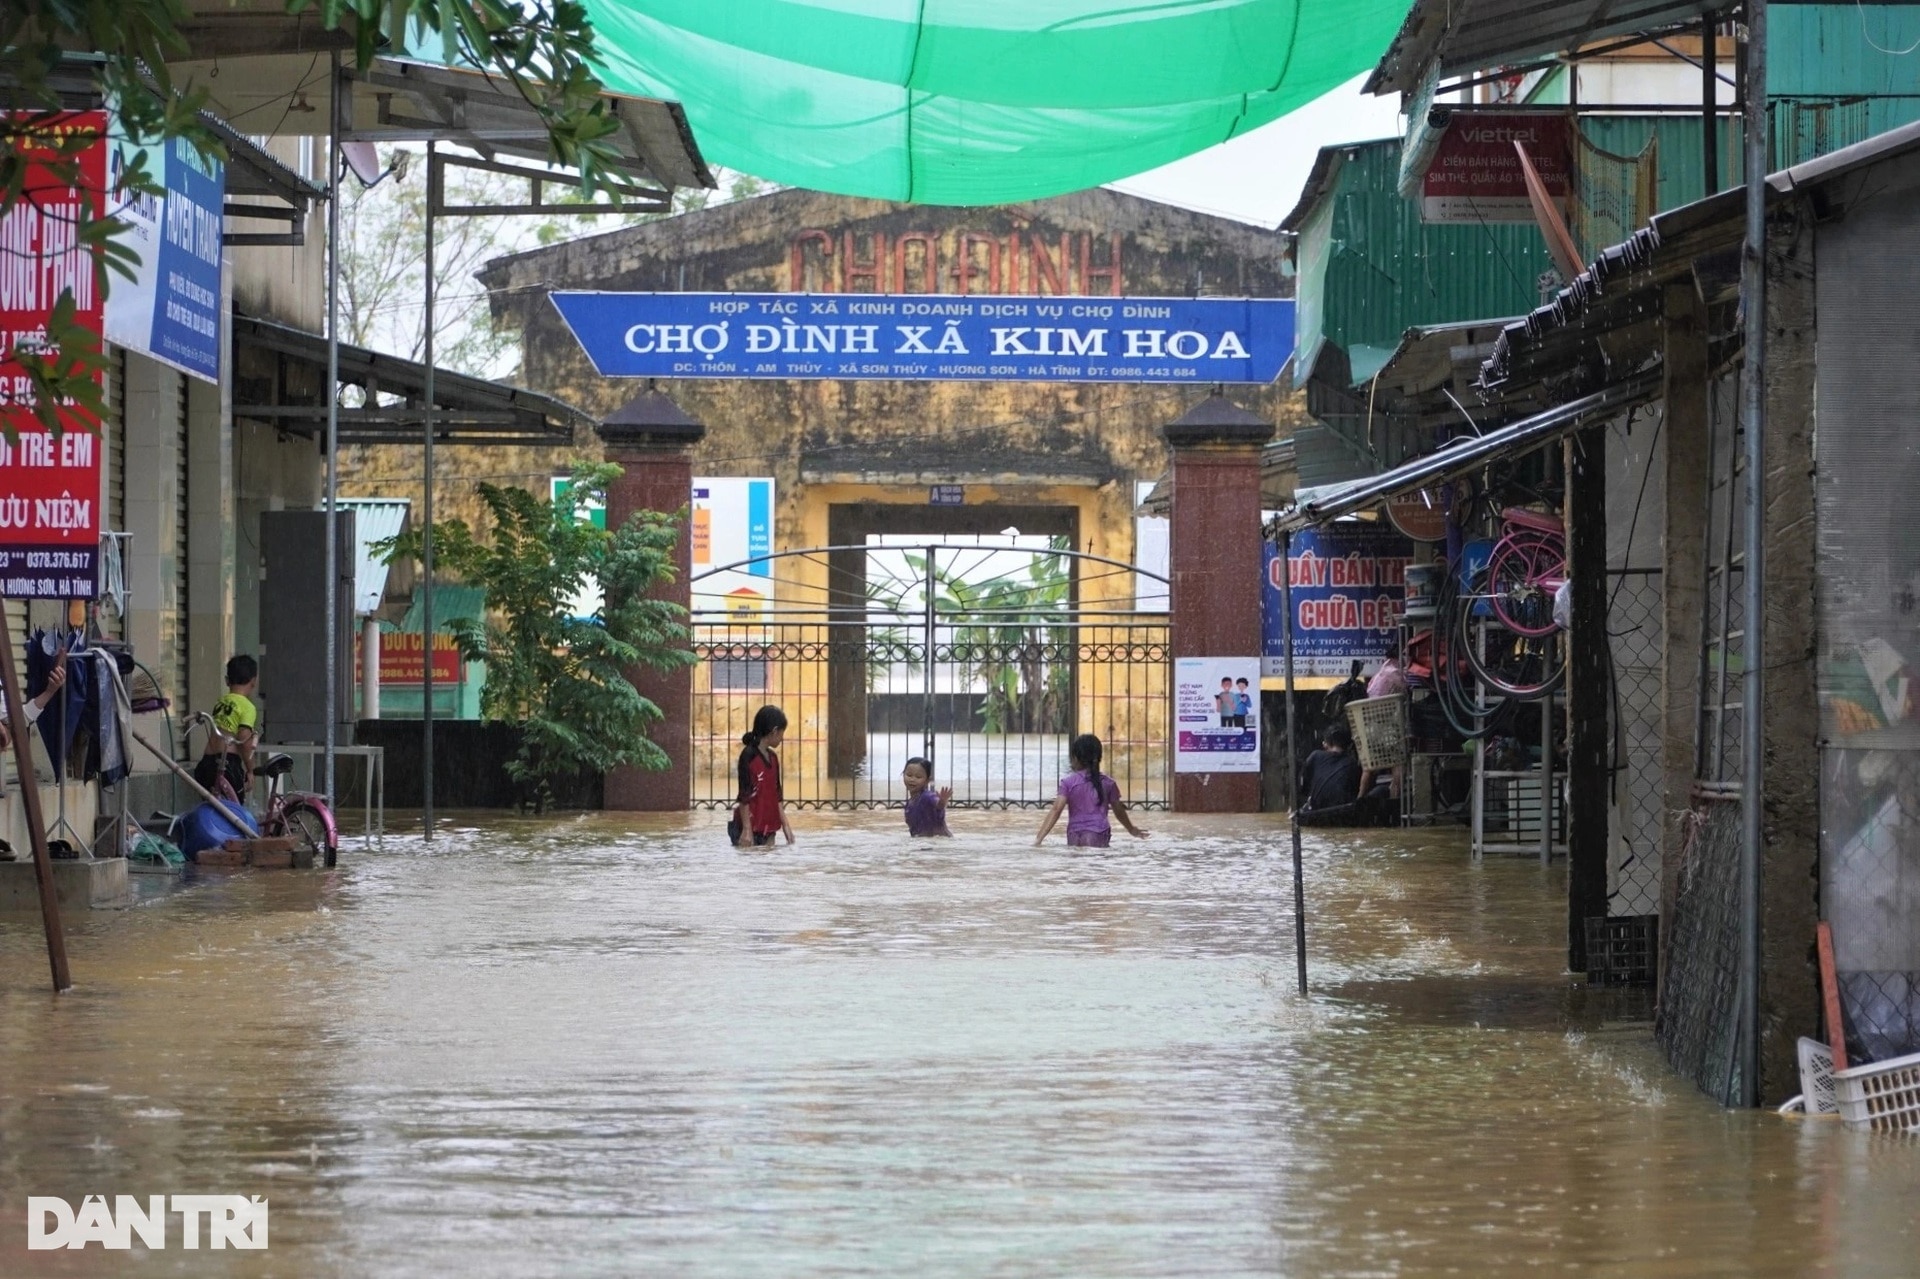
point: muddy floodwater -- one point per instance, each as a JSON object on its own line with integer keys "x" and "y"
{"x": 600, "y": 1046}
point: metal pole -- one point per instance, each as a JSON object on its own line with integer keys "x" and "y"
{"x": 426, "y": 511}
{"x": 926, "y": 710}
{"x": 1293, "y": 765}
{"x": 1546, "y": 780}
{"x": 1709, "y": 105}
{"x": 36, "y": 819}
{"x": 1478, "y": 799}
{"x": 1753, "y": 391}
{"x": 335, "y": 168}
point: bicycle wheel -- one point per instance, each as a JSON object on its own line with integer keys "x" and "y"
{"x": 1526, "y": 567}
{"x": 306, "y": 825}
{"x": 1523, "y": 667}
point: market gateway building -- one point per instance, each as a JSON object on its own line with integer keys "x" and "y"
{"x": 878, "y": 455}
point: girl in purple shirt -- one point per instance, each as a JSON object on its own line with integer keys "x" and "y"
{"x": 926, "y": 807}
{"x": 1087, "y": 795}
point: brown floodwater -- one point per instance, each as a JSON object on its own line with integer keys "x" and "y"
{"x": 601, "y": 1046}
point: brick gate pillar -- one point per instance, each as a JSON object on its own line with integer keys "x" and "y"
{"x": 651, "y": 439}
{"x": 1215, "y": 535}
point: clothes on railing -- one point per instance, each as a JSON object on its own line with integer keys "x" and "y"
{"x": 85, "y": 729}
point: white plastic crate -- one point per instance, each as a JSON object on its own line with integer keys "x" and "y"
{"x": 1379, "y": 726}
{"x": 1881, "y": 1097}
{"x": 1816, "y": 1077}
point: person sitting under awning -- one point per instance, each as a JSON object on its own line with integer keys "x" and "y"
{"x": 1330, "y": 778}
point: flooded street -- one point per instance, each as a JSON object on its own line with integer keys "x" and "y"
{"x": 590, "y": 1046}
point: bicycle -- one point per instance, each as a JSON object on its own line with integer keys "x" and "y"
{"x": 302, "y": 815}
{"x": 1529, "y": 566}
{"x": 1503, "y": 622}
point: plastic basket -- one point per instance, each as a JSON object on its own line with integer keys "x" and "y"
{"x": 1379, "y": 727}
{"x": 1816, "y": 1077}
{"x": 1882, "y": 1097}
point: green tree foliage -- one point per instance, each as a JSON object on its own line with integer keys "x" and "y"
{"x": 563, "y": 678}
{"x": 1008, "y": 634}
{"x": 543, "y": 48}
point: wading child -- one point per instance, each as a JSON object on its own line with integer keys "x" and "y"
{"x": 757, "y": 812}
{"x": 236, "y": 722}
{"x": 1087, "y": 795}
{"x": 926, "y": 807}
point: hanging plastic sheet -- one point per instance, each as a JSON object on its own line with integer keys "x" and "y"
{"x": 980, "y": 101}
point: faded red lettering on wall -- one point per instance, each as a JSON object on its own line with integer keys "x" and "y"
{"x": 960, "y": 261}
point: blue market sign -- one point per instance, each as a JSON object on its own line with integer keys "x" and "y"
{"x": 1349, "y": 589}
{"x": 931, "y": 337}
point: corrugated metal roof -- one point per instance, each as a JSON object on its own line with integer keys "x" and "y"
{"x": 1472, "y": 35}
{"x": 375, "y": 519}
{"x": 1370, "y": 269}
{"x": 1606, "y": 324}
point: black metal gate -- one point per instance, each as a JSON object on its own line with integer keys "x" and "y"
{"x": 984, "y": 656}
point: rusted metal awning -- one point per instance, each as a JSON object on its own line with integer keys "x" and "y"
{"x": 1449, "y": 37}
{"x": 406, "y": 100}
{"x": 280, "y": 378}
{"x": 1466, "y": 455}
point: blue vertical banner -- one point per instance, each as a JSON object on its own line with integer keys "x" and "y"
{"x": 760, "y": 526}
{"x": 1349, "y": 589}
{"x": 171, "y": 310}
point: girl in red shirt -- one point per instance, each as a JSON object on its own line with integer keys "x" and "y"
{"x": 757, "y": 810}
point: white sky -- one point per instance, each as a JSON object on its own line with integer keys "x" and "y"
{"x": 1257, "y": 177}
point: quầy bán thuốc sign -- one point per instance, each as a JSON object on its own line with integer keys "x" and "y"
{"x": 923, "y": 337}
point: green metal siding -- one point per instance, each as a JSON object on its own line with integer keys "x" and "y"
{"x": 1828, "y": 86}
{"x": 1379, "y": 270}
{"x": 1682, "y": 177}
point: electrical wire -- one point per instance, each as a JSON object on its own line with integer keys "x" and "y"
{"x": 1877, "y": 47}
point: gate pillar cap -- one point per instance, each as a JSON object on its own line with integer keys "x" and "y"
{"x": 1218, "y": 420}
{"x": 651, "y": 420}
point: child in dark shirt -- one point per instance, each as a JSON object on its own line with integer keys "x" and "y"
{"x": 1331, "y": 776}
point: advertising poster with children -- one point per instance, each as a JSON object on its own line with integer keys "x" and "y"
{"x": 1349, "y": 589}
{"x": 1216, "y": 715}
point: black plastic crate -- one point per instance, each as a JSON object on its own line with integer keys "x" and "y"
{"x": 1623, "y": 950}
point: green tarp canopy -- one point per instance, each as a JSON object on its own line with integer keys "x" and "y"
{"x": 979, "y": 101}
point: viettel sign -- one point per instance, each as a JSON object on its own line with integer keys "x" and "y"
{"x": 1476, "y": 176}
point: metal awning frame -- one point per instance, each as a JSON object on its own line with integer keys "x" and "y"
{"x": 467, "y": 410}
{"x": 255, "y": 175}
{"x": 252, "y": 172}
{"x": 1469, "y": 454}
{"x": 413, "y": 101}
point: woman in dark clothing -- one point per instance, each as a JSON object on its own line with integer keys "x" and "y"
{"x": 757, "y": 811}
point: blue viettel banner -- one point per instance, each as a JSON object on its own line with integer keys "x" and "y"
{"x": 1349, "y": 589}
{"x": 931, "y": 337}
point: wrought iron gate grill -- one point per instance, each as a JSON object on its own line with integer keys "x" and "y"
{"x": 989, "y": 684}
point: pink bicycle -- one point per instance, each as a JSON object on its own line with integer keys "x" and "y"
{"x": 1529, "y": 565}
{"x": 300, "y": 814}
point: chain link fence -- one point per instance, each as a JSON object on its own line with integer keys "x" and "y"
{"x": 1635, "y": 639}
{"x": 1698, "y": 1021}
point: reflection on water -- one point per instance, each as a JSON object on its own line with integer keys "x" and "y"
{"x": 601, "y": 1046}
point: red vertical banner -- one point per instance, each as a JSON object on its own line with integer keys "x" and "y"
{"x": 49, "y": 485}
